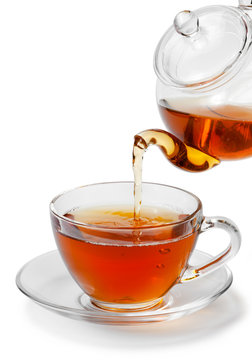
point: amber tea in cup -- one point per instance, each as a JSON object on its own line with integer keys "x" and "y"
{"x": 124, "y": 264}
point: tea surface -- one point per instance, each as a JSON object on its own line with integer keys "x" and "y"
{"x": 123, "y": 216}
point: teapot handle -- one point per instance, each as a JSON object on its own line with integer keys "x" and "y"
{"x": 245, "y": 3}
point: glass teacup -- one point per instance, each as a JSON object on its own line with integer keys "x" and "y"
{"x": 131, "y": 268}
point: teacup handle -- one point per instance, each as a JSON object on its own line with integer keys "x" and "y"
{"x": 218, "y": 222}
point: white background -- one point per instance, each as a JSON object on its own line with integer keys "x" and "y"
{"x": 77, "y": 82}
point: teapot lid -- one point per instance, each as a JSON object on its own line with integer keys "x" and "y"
{"x": 203, "y": 46}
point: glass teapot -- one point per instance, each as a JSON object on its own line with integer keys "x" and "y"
{"x": 204, "y": 88}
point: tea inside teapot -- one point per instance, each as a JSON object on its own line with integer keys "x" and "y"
{"x": 221, "y": 131}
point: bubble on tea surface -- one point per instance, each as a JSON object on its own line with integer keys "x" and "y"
{"x": 164, "y": 251}
{"x": 160, "y": 266}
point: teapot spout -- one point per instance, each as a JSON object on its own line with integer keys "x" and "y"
{"x": 179, "y": 154}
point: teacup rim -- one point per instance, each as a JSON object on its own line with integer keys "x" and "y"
{"x": 99, "y": 227}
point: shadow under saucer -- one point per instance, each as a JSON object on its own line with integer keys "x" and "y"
{"x": 210, "y": 321}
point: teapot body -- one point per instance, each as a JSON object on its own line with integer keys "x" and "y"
{"x": 215, "y": 116}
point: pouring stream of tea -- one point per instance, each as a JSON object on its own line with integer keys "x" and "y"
{"x": 179, "y": 154}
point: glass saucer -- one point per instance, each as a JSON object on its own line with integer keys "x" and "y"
{"x": 46, "y": 280}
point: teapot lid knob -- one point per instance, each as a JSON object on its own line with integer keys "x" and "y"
{"x": 186, "y": 23}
